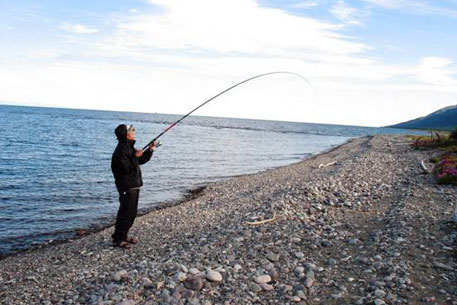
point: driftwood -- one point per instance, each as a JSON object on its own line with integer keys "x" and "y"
{"x": 424, "y": 168}
{"x": 328, "y": 164}
{"x": 261, "y": 222}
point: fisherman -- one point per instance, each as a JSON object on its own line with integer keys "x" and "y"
{"x": 125, "y": 164}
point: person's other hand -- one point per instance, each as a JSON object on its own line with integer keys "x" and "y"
{"x": 152, "y": 146}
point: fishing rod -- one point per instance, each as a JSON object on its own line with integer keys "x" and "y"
{"x": 219, "y": 94}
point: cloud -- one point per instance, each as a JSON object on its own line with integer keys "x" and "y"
{"x": 171, "y": 59}
{"x": 436, "y": 70}
{"x": 78, "y": 29}
{"x": 347, "y": 14}
{"x": 306, "y": 4}
{"x": 416, "y": 7}
{"x": 387, "y": 3}
{"x": 237, "y": 27}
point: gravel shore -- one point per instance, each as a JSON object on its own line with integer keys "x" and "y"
{"x": 369, "y": 229}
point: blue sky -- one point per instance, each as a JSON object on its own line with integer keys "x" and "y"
{"x": 372, "y": 62}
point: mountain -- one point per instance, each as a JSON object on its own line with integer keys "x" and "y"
{"x": 443, "y": 119}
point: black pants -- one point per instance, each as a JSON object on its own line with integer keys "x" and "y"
{"x": 126, "y": 215}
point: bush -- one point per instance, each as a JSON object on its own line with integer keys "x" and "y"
{"x": 453, "y": 135}
{"x": 435, "y": 159}
{"x": 446, "y": 170}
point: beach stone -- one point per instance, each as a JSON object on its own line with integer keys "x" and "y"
{"x": 237, "y": 267}
{"x": 187, "y": 294}
{"x": 295, "y": 299}
{"x": 193, "y": 283}
{"x": 193, "y": 301}
{"x": 194, "y": 271}
{"x": 301, "y": 294}
{"x": 127, "y": 302}
{"x": 180, "y": 277}
{"x": 146, "y": 282}
{"x": 213, "y": 276}
{"x": 165, "y": 296}
{"x": 442, "y": 266}
{"x": 184, "y": 269}
{"x": 254, "y": 287}
{"x": 274, "y": 274}
{"x": 379, "y": 302}
{"x": 273, "y": 257}
{"x": 266, "y": 287}
{"x": 309, "y": 282}
{"x": 379, "y": 293}
{"x": 299, "y": 270}
{"x": 120, "y": 275}
{"x": 353, "y": 241}
{"x": 299, "y": 255}
{"x": 262, "y": 279}
{"x": 287, "y": 288}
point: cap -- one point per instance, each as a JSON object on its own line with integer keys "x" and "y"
{"x": 121, "y": 131}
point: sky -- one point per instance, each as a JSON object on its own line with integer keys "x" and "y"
{"x": 370, "y": 62}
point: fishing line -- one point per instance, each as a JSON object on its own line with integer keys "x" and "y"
{"x": 228, "y": 89}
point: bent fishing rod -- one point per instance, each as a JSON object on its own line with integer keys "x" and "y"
{"x": 219, "y": 94}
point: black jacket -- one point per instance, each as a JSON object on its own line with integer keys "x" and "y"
{"x": 126, "y": 166}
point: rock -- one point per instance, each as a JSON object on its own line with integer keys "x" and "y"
{"x": 266, "y": 287}
{"x": 299, "y": 255}
{"x": 309, "y": 282}
{"x": 360, "y": 301}
{"x": 254, "y": 287}
{"x": 301, "y": 294}
{"x": 326, "y": 243}
{"x": 180, "y": 277}
{"x": 193, "y": 283}
{"x": 287, "y": 288}
{"x": 187, "y": 294}
{"x": 299, "y": 270}
{"x": 184, "y": 269}
{"x": 194, "y": 301}
{"x": 237, "y": 267}
{"x": 337, "y": 295}
{"x": 213, "y": 276}
{"x": 295, "y": 299}
{"x": 273, "y": 273}
{"x": 443, "y": 266}
{"x": 120, "y": 275}
{"x": 379, "y": 293}
{"x": 379, "y": 302}
{"x": 353, "y": 241}
{"x": 165, "y": 296}
{"x": 127, "y": 302}
{"x": 262, "y": 279}
{"x": 146, "y": 282}
{"x": 273, "y": 257}
{"x": 194, "y": 271}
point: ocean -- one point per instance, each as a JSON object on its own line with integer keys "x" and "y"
{"x": 55, "y": 176}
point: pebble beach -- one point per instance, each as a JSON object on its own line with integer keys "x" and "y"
{"x": 360, "y": 224}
